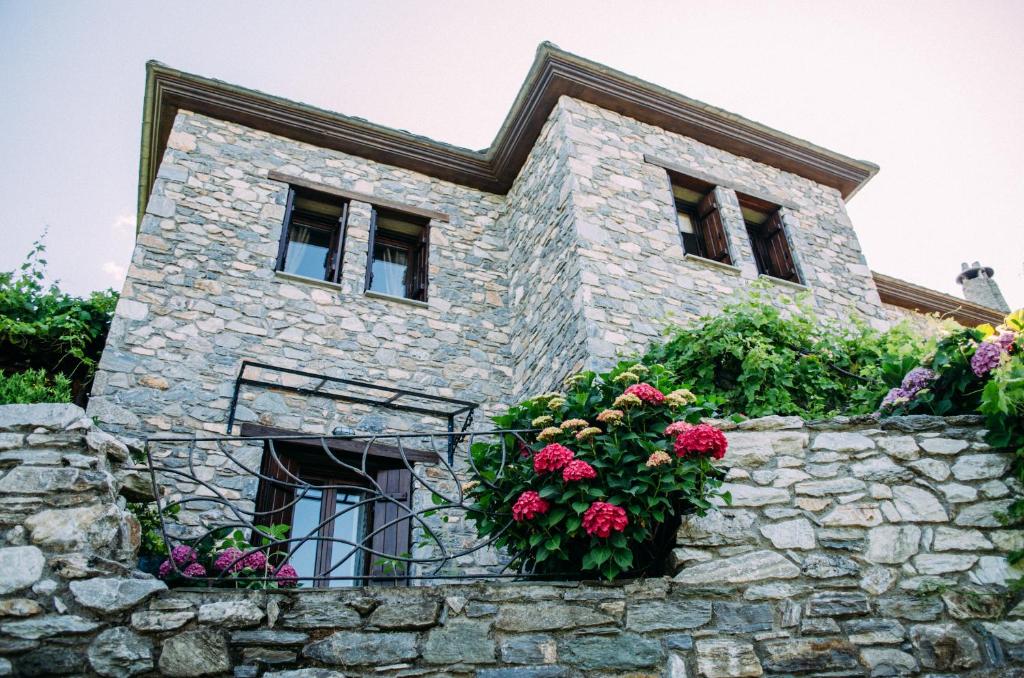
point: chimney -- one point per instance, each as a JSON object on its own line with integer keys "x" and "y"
{"x": 980, "y": 288}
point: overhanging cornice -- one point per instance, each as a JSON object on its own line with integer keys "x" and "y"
{"x": 554, "y": 73}
{"x": 924, "y": 300}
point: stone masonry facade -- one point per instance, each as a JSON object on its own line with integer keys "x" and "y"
{"x": 579, "y": 263}
{"x": 852, "y": 548}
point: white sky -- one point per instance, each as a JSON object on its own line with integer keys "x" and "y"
{"x": 931, "y": 91}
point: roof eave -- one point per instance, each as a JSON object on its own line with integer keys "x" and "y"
{"x": 554, "y": 73}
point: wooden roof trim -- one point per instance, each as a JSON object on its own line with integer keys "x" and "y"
{"x": 555, "y": 73}
{"x": 924, "y": 300}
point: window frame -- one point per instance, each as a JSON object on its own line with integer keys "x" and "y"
{"x": 338, "y": 228}
{"x": 418, "y": 248}
{"x": 770, "y": 243}
{"x": 704, "y": 214}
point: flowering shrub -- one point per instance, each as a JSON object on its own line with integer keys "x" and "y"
{"x": 231, "y": 560}
{"x": 601, "y": 487}
{"x": 974, "y": 370}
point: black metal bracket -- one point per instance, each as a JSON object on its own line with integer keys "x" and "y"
{"x": 392, "y": 397}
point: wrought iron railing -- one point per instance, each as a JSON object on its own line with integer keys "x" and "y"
{"x": 340, "y": 510}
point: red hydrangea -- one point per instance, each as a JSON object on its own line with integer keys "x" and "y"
{"x": 553, "y": 457}
{"x": 602, "y": 518}
{"x": 701, "y": 440}
{"x": 646, "y": 393}
{"x": 677, "y": 427}
{"x": 528, "y": 506}
{"x": 577, "y": 469}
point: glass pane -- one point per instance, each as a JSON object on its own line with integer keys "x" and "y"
{"x": 347, "y": 526}
{"x": 308, "y": 248}
{"x": 305, "y": 518}
{"x": 390, "y": 264}
{"x": 685, "y": 222}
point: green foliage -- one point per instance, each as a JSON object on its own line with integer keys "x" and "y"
{"x": 34, "y": 386}
{"x": 42, "y": 327}
{"x": 153, "y": 543}
{"x": 652, "y": 496}
{"x": 757, "y": 359}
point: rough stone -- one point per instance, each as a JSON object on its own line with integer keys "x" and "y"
{"x": 548, "y": 616}
{"x": 119, "y": 653}
{"x": 305, "y": 673}
{"x": 809, "y": 655}
{"x": 992, "y": 570}
{"x": 19, "y": 607}
{"x": 893, "y": 544}
{"x": 623, "y": 651}
{"x": 914, "y": 608}
{"x": 853, "y": 515}
{"x": 888, "y": 661}
{"x": 194, "y": 653}
{"x": 351, "y": 647}
{"x": 951, "y": 539}
{"x": 231, "y": 614}
{"x": 726, "y": 658}
{"x": 529, "y": 649}
{"x": 827, "y": 566}
{"x": 657, "y": 615}
{"x": 918, "y": 506}
{"x": 880, "y": 469}
{"x": 114, "y": 595}
{"x": 982, "y": 514}
{"x": 743, "y": 617}
{"x": 790, "y": 534}
{"x": 933, "y": 468}
{"x": 155, "y": 620}
{"x": 316, "y": 613}
{"x": 942, "y": 563}
{"x": 717, "y": 528}
{"x": 842, "y": 442}
{"x": 22, "y": 566}
{"x": 822, "y": 488}
{"x": 746, "y": 567}
{"x": 837, "y": 604}
{"x": 943, "y": 445}
{"x": 748, "y": 495}
{"x": 981, "y": 466}
{"x": 945, "y": 647}
{"x": 414, "y": 613}
{"x": 47, "y": 626}
{"x": 874, "y": 631}
{"x": 457, "y": 641}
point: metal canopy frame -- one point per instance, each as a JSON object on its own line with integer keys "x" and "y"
{"x": 446, "y": 408}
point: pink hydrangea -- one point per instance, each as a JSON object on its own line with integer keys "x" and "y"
{"x": 528, "y": 506}
{"x": 286, "y": 576}
{"x": 677, "y": 427}
{"x": 552, "y": 457}
{"x": 194, "y": 570}
{"x": 646, "y": 393}
{"x": 183, "y": 555}
{"x": 701, "y": 440}
{"x": 602, "y": 518}
{"x": 256, "y": 560}
{"x": 577, "y": 469}
{"x": 165, "y": 570}
{"x": 227, "y": 559}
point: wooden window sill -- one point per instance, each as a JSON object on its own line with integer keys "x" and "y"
{"x": 291, "y": 277}
{"x": 401, "y": 300}
{"x": 798, "y": 287}
{"x": 728, "y": 268}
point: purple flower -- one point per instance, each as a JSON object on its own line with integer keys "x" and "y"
{"x": 917, "y": 379}
{"x": 986, "y": 358}
{"x": 257, "y": 560}
{"x": 227, "y": 559}
{"x": 194, "y": 570}
{"x": 1006, "y": 339}
{"x": 183, "y": 555}
{"x": 165, "y": 569}
{"x": 287, "y": 576}
{"x": 896, "y": 396}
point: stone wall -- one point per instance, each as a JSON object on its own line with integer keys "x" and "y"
{"x": 852, "y": 548}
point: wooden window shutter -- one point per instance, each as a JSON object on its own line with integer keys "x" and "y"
{"x": 392, "y": 539}
{"x": 282, "y": 247}
{"x": 422, "y": 258}
{"x": 276, "y": 489}
{"x": 716, "y": 244}
{"x": 777, "y": 255}
{"x": 370, "y": 245}
{"x": 338, "y": 247}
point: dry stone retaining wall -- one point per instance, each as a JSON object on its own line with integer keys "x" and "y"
{"x": 853, "y": 548}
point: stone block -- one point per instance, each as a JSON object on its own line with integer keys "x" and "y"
{"x": 727, "y": 658}
{"x": 119, "y": 653}
{"x": 194, "y": 653}
{"x": 747, "y": 567}
{"x": 667, "y": 615}
{"x": 945, "y": 647}
{"x": 790, "y": 534}
{"x": 21, "y": 567}
{"x": 459, "y": 641}
{"x": 548, "y": 616}
{"x": 114, "y": 595}
{"x": 803, "y": 656}
{"x": 625, "y": 651}
{"x": 345, "y": 648}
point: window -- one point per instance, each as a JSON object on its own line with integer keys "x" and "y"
{"x": 313, "y": 236}
{"x": 399, "y": 247}
{"x": 344, "y": 525}
{"x": 768, "y": 239}
{"x": 700, "y": 224}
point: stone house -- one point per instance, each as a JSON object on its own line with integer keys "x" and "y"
{"x": 316, "y": 247}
